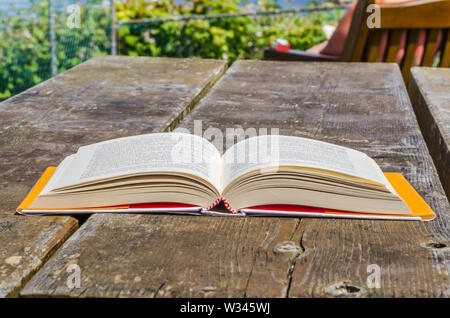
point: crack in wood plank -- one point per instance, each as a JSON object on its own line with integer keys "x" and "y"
{"x": 50, "y": 120}
{"x": 231, "y": 257}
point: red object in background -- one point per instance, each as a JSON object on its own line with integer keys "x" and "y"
{"x": 281, "y": 45}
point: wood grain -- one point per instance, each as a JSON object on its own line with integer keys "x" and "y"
{"x": 363, "y": 44}
{"x": 363, "y": 106}
{"x": 374, "y": 46}
{"x": 445, "y": 58}
{"x": 394, "y": 44}
{"x": 431, "y": 47}
{"x": 429, "y": 89}
{"x": 421, "y": 14}
{"x": 103, "y": 98}
{"x": 409, "y": 60}
{"x": 357, "y": 36}
{"x": 171, "y": 256}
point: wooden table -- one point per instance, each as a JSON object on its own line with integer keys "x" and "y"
{"x": 104, "y": 98}
{"x": 429, "y": 89}
{"x": 364, "y": 106}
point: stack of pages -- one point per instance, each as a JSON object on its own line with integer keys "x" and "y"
{"x": 259, "y": 176}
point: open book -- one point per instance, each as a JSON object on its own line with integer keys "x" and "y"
{"x": 184, "y": 173}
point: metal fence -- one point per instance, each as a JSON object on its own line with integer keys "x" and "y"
{"x": 39, "y": 38}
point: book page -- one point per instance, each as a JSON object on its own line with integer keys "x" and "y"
{"x": 169, "y": 152}
{"x": 272, "y": 151}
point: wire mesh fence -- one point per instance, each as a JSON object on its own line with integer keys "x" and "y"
{"x": 39, "y": 38}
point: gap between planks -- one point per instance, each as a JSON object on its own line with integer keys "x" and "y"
{"x": 80, "y": 220}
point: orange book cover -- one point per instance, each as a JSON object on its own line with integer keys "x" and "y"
{"x": 419, "y": 208}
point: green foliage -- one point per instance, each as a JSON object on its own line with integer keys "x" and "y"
{"x": 228, "y": 38}
{"x": 24, "y": 52}
{"x": 79, "y": 44}
{"x": 25, "y": 47}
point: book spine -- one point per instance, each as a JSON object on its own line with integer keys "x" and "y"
{"x": 225, "y": 202}
{"x": 227, "y": 205}
{"x": 214, "y": 213}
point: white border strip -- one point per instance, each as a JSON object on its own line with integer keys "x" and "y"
{"x": 328, "y": 215}
{"x": 193, "y": 210}
{"x": 244, "y": 212}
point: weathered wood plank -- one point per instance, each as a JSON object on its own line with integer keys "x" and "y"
{"x": 103, "y": 98}
{"x": 429, "y": 89}
{"x": 364, "y": 106}
{"x": 168, "y": 256}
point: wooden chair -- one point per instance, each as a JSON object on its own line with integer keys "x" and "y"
{"x": 401, "y": 26}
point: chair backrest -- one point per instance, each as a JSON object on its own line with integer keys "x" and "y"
{"x": 415, "y": 33}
